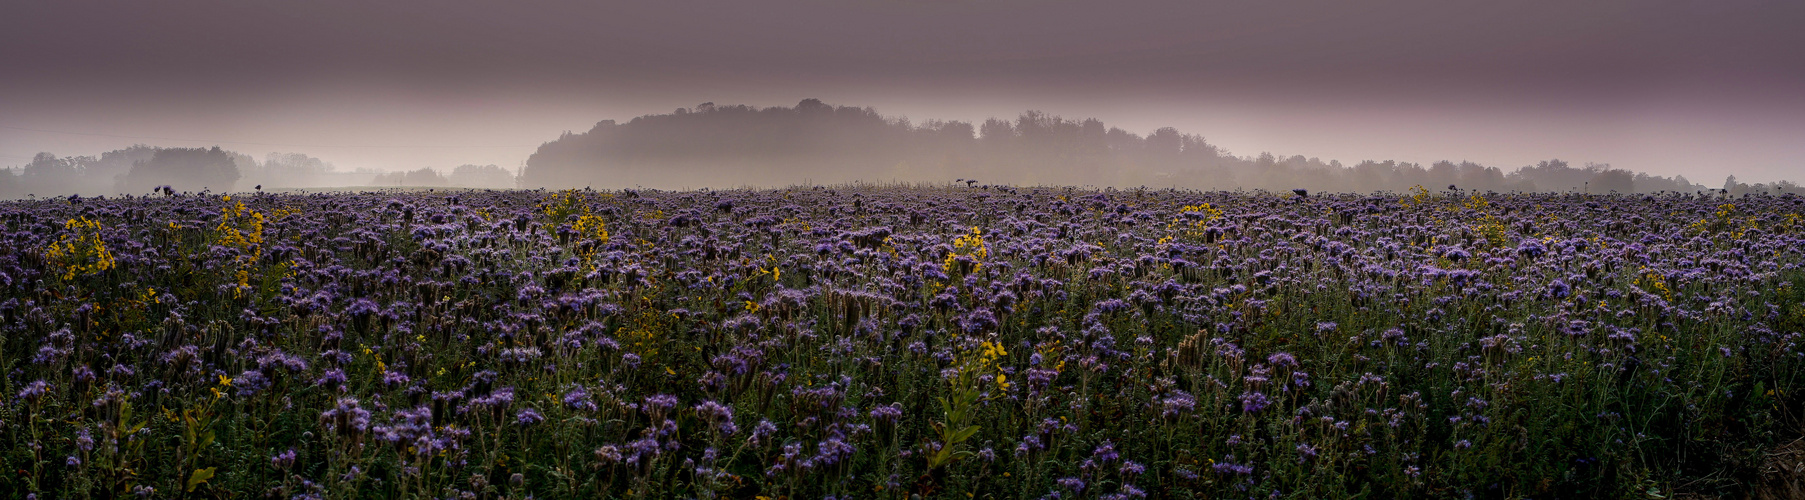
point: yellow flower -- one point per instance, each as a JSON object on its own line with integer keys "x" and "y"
{"x": 81, "y": 251}
{"x": 224, "y": 380}
{"x": 973, "y": 241}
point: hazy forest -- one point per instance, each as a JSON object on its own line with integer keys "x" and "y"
{"x": 141, "y": 169}
{"x": 715, "y": 146}
{"x": 817, "y": 143}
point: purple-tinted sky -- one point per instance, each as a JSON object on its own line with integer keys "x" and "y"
{"x": 1701, "y": 88}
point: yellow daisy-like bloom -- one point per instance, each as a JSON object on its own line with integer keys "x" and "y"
{"x": 81, "y": 251}
{"x": 972, "y": 245}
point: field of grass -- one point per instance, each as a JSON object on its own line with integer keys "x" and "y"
{"x": 872, "y": 342}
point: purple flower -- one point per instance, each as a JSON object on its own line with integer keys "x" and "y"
{"x": 642, "y": 449}
{"x": 1105, "y": 452}
{"x": 333, "y": 379}
{"x": 1228, "y": 467}
{"x": 659, "y": 403}
{"x": 1531, "y": 248}
{"x": 1253, "y": 402}
{"x": 283, "y": 460}
{"x": 761, "y": 433}
{"x": 362, "y": 307}
{"x": 1559, "y": 289}
{"x": 718, "y": 414}
{"x": 1185, "y": 472}
{"x": 348, "y": 417}
{"x": 1281, "y": 360}
{"x": 249, "y": 382}
{"x": 283, "y": 360}
{"x": 1130, "y": 468}
{"x": 121, "y": 371}
{"x": 887, "y": 413}
{"x": 1110, "y": 306}
{"x": 34, "y": 391}
{"x": 528, "y": 416}
{"x": 608, "y": 454}
{"x": 1305, "y": 451}
{"x": 833, "y": 450}
{"x": 578, "y": 399}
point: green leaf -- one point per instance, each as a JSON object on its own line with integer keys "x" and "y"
{"x": 963, "y": 434}
{"x": 199, "y": 476}
{"x": 940, "y": 457}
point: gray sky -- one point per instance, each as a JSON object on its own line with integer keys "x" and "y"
{"x": 1703, "y": 88}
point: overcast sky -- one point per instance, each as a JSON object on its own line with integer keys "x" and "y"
{"x": 1702, "y": 88}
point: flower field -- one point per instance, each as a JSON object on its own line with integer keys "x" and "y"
{"x": 884, "y": 342}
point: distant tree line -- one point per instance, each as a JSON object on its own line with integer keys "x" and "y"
{"x": 1734, "y": 188}
{"x": 472, "y": 176}
{"x": 725, "y": 146}
{"x": 141, "y": 169}
{"x": 137, "y": 169}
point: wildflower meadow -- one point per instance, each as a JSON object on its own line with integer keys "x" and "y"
{"x": 900, "y": 342}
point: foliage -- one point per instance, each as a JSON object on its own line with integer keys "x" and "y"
{"x": 80, "y": 251}
{"x": 738, "y": 145}
{"x": 887, "y": 342}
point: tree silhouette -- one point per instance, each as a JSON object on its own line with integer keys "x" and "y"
{"x": 193, "y": 169}
{"x": 715, "y": 145}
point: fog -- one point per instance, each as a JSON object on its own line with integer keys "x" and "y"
{"x": 1667, "y": 89}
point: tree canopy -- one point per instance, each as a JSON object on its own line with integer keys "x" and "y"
{"x": 724, "y": 146}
